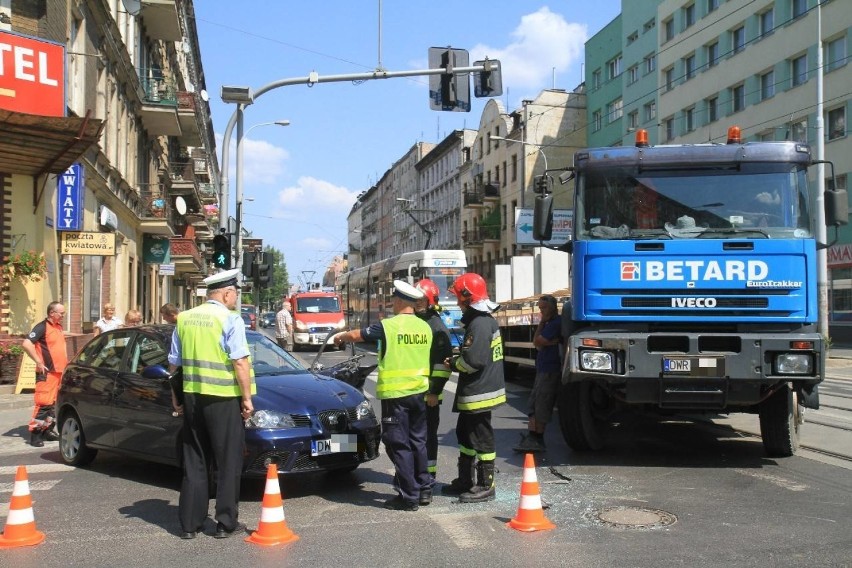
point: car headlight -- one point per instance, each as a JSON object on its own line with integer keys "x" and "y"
{"x": 596, "y": 361}
{"x": 364, "y": 410}
{"x": 794, "y": 363}
{"x": 270, "y": 419}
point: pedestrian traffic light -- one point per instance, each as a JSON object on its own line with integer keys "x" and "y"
{"x": 221, "y": 251}
{"x": 489, "y": 82}
{"x": 448, "y": 90}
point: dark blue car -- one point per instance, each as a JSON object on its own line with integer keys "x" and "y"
{"x": 115, "y": 395}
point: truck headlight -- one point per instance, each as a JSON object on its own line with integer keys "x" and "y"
{"x": 341, "y": 324}
{"x": 270, "y": 419}
{"x": 596, "y": 361}
{"x": 301, "y": 326}
{"x": 794, "y": 363}
{"x": 364, "y": 410}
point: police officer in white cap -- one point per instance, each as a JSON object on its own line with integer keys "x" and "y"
{"x": 404, "y": 361}
{"x": 218, "y": 382}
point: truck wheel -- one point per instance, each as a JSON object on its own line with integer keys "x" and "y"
{"x": 584, "y": 410}
{"x": 780, "y": 418}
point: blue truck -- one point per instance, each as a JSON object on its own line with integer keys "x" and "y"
{"x": 694, "y": 285}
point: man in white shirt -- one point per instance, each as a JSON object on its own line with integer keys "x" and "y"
{"x": 284, "y": 326}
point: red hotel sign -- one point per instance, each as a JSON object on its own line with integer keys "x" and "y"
{"x": 32, "y": 75}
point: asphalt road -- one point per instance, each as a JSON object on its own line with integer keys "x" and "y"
{"x": 669, "y": 493}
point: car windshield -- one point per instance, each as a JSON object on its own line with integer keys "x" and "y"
{"x": 323, "y": 305}
{"x": 269, "y": 359}
{"x": 754, "y": 201}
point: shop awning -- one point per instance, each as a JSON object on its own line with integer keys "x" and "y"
{"x": 33, "y": 145}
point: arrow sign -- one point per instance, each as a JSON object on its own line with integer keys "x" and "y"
{"x": 563, "y": 224}
{"x": 525, "y": 227}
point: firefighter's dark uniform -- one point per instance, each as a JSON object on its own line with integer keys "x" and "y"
{"x": 481, "y": 388}
{"x": 213, "y": 426}
{"x": 439, "y": 374}
{"x": 405, "y": 342}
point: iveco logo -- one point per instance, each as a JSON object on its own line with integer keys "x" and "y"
{"x": 693, "y": 302}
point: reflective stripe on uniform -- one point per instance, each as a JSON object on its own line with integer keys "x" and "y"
{"x": 481, "y": 401}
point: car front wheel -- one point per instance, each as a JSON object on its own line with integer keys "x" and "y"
{"x": 72, "y": 442}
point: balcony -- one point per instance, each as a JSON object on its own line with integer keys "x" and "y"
{"x": 208, "y": 192}
{"x": 161, "y": 19}
{"x": 473, "y": 199}
{"x": 159, "y": 103}
{"x": 491, "y": 193}
{"x": 190, "y": 134}
{"x": 185, "y": 255}
{"x": 157, "y": 215}
{"x": 480, "y": 236}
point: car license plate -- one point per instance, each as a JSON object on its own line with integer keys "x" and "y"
{"x": 671, "y": 365}
{"x": 336, "y": 444}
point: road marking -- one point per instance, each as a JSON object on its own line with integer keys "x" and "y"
{"x": 461, "y": 529}
{"x": 36, "y": 468}
{"x": 774, "y": 479}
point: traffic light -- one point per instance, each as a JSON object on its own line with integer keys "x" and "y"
{"x": 221, "y": 251}
{"x": 263, "y": 269}
{"x": 449, "y": 91}
{"x": 248, "y": 265}
{"x": 488, "y": 83}
{"x": 543, "y": 184}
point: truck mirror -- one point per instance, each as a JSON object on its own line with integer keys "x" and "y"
{"x": 836, "y": 207}
{"x": 543, "y": 218}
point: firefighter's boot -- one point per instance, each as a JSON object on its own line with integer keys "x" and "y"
{"x": 484, "y": 488}
{"x": 36, "y": 438}
{"x": 464, "y": 481}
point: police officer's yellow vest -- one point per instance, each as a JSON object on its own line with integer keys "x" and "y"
{"x": 404, "y": 366}
{"x": 207, "y": 369}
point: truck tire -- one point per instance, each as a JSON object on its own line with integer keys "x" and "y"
{"x": 780, "y": 418}
{"x": 584, "y": 409}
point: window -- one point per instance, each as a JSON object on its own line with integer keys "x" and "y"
{"x": 596, "y": 79}
{"x": 799, "y": 131}
{"x": 596, "y": 121}
{"x": 632, "y": 74}
{"x": 712, "y": 5}
{"x": 712, "y": 109}
{"x": 836, "y": 123}
{"x": 766, "y": 136}
{"x": 650, "y": 63}
{"x": 614, "y": 111}
{"x": 669, "y": 74}
{"x": 633, "y": 120}
{"x": 514, "y": 167}
{"x": 738, "y": 97}
{"x": 650, "y": 111}
{"x": 738, "y": 39}
{"x": 800, "y": 7}
{"x": 839, "y": 182}
{"x": 835, "y": 54}
{"x": 668, "y": 29}
{"x": 689, "y": 120}
{"x": 799, "y": 70}
{"x": 669, "y": 129}
{"x": 689, "y": 66}
{"x": 632, "y": 37}
{"x": 767, "y": 85}
{"x": 767, "y": 21}
{"x": 649, "y": 25}
{"x": 713, "y": 54}
{"x": 688, "y": 16}
{"x": 613, "y": 68}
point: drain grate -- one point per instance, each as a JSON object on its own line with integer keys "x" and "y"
{"x": 633, "y": 517}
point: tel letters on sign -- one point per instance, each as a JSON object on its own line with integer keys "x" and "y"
{"x": 32, "y": 75}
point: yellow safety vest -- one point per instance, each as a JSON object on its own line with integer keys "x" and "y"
{"x": 207, "y": 369}
{"x": 404, "y": 365}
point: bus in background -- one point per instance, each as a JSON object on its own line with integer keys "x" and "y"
{"x": 366, "y": 291}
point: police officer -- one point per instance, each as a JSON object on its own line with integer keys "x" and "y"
{"x": 481, "y": 388}
{"x": 429, "y": 310}
{"x": 218, "y": 381}
{"x": 405, "y": 344}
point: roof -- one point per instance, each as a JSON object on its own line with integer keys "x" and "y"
{"x": 33, "y": 145}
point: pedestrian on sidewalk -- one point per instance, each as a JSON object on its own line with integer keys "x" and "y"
{"x": 108, "y": 321}
{"x": 548, "y": 368}
{"x": 169, "y": 313}
{"x": 284, "y": 326}
{"x": 45, "y": 345}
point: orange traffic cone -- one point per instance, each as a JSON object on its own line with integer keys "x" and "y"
{"x": 20, "y": 525}
{"x": 272, "y": 529}
{"x": 530, "y": 516}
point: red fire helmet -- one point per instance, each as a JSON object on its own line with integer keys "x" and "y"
{"x": 470, "y": 286}
{"x": 430, "y": 289}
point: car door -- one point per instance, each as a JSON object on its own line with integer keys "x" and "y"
{"x": 143, "y": 405}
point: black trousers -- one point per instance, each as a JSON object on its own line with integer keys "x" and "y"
{"x": 475, "y": 434}
{"x": 404, "y": 435}
{"x": 213, "y": 433}
{"x": 433, "y": 420}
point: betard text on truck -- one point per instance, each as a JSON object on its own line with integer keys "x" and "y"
{"x": 693, "y": 285}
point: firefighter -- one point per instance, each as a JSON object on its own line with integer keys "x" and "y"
{"x": 405, "y": 345}
{"x": 428, "y": 309}
{"x": 481, "y": 388}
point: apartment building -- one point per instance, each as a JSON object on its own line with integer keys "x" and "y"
{"x": 115, "y": 182}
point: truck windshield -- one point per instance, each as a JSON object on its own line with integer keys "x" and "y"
{"x": 752, "y": 201}
{"x": 317, "y": 305}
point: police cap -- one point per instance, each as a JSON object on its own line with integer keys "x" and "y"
{"x": 223, "y": 279}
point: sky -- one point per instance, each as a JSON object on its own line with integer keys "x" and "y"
{"x": 300, "y": 181}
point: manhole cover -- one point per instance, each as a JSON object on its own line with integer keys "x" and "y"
{"x": 634, "y": 517}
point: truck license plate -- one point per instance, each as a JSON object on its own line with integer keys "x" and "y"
{"x": 677, "y": 365}
{"x": 336, "y": 444}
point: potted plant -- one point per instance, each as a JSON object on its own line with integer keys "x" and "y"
{"x": 29, "y": 265}
{"x": 10, "y": 358}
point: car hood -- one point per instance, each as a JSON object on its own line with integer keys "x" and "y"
{"x": 304, "y": 392}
